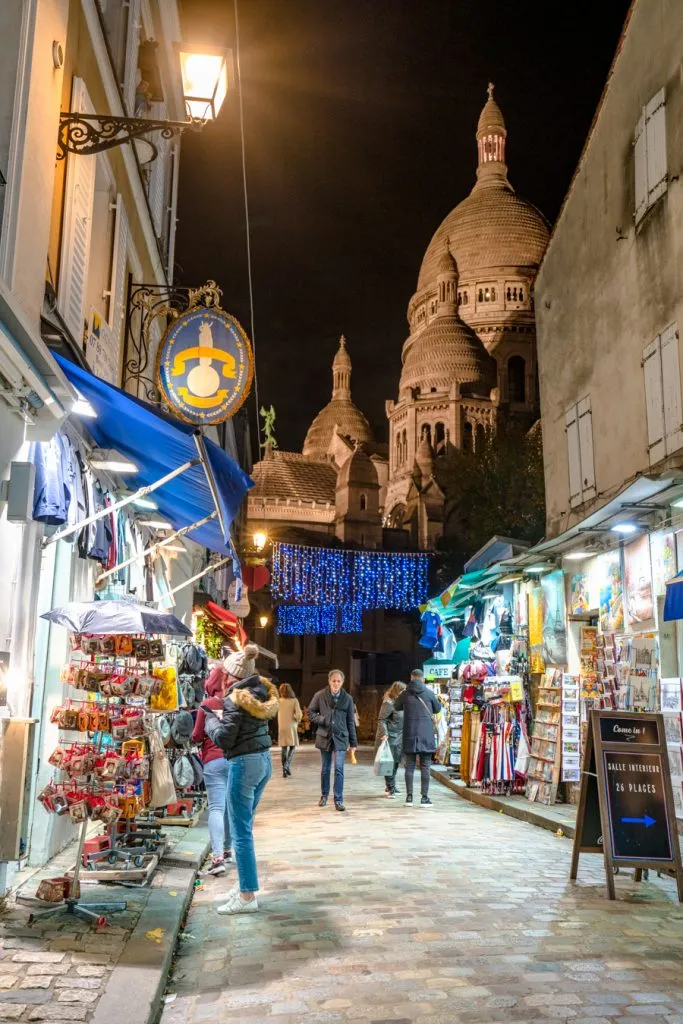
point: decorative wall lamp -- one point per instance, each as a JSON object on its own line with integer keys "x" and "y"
{"x": 206, "y": 73}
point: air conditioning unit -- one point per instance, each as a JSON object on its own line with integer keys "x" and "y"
{"x": 16, "y": 756}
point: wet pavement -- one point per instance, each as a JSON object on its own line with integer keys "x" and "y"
{"x": 450, "y": 914}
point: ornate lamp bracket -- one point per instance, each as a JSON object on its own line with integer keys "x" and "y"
{"x": 94, "y": 133}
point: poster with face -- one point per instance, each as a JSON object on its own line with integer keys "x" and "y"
{"x": 639, "y": 600}
{"x": 611, "y": 592}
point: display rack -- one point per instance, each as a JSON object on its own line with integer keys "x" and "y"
{"x": 543, "y": 773}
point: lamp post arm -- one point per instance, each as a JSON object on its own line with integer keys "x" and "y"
{"x": 95, "y": 133}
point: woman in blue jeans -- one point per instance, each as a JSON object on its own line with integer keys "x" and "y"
{"x": 241, "y": 731}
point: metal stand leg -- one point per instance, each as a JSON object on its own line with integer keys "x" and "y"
{"x": 96, "y": 912}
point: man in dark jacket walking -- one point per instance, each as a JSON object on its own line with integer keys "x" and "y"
{"x": 331, "y": 712}
{"x": 418, "y": 704}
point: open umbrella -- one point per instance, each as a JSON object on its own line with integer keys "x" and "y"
{"x": 106, "y": 617}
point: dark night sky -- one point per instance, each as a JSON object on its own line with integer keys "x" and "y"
{"x": 360, "y": 118}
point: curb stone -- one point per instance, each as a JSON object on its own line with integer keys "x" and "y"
{"x": 135, "y": 987}
{"x": 531, "y": 815}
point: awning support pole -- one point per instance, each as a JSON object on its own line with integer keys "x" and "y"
{"x": 203, "y": 458}
{"x": 154, "y": 549}
{"x": 192, "y": 579}
{"x": 141, "y": 493}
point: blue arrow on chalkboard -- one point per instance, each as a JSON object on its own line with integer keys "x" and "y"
{"x": 646, "y": 820}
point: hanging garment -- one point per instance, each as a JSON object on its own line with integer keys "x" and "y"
{"x": 465, "y": 746}
{"x": 430, "y": 630}
{"x": 99, "y": 549}
{"x": 50, "y": 494}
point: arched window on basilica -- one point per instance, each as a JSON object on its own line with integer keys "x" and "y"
{"x": 467, "y": 437}
{"x": 363, "y": 501}
{"x": 439, "y": 438}
{"x": 396, "y": 517}
{"x": 479, "y": 437}
{"x": 426, "y": 432}
{"x": 516, "y": 379}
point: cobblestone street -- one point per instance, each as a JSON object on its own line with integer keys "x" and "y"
{"x": 454, "y": 914}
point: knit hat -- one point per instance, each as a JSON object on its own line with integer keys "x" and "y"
{"x": 242, "y": 663}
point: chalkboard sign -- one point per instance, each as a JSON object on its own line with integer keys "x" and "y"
{"x": 638, "y": 823}
{"x": 628, "y": 729}
{"x": 626, "y": 810}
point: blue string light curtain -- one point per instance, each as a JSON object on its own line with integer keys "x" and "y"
{"x": 365, "y": 579}
{"x": 299, "y": 620}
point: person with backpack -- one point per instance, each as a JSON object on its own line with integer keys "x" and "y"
{"x": 240, "y": 730}
{"x": 216, "y": 774}
{"x": 420, "y": 707}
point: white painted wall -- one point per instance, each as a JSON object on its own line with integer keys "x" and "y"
{"x": 606, "y": 289}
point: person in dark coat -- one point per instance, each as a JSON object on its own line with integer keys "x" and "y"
{"x": 331, "y": 714}
{"x": 390, "y": 727}
{"x": 241, "y": 730}
{"x": 418, "y": 704}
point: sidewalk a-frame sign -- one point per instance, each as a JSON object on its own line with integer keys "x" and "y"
{"x": 626, "y": 807}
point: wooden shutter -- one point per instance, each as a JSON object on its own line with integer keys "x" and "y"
{"x": 79, "y": 197}
{"x": 671, "y": 389}
{"x": 119, "y": 271}
{"x": 574, "y": 454}
{"x": 640, "y": 164}
{"x": 585, "y": 419}
{"x": 654, "y": 400}
{"x": 655, "y": 130}
{"x": 157, "y": 174}
{"x": 130, "y": 70}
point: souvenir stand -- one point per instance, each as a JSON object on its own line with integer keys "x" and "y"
{"x": 487, "y": 700}
{"x": 110, "y": 764}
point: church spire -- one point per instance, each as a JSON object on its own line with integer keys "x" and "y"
{"x": 341, "y": 372}
{"x": 491, "y": 136}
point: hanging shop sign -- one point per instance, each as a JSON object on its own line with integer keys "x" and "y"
{"x": 205, "y": 364}
{"x": 626, "y": 806}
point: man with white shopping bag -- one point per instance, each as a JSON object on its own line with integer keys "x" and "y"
{"x": 389, "y": 739}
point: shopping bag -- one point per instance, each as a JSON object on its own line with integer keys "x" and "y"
{"x": 384, "y": 759}
{"x": 523, "y": 754}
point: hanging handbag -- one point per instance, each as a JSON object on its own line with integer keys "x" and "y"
{"x": 434, "y": 718}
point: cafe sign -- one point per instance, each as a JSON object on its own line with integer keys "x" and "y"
{"x": 205, "y": 363}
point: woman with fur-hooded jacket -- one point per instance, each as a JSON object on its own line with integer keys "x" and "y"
{"x": 241, "y": 731}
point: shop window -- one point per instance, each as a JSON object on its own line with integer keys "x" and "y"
{"x": 662, "y": 379}
{"x": 579, "y": 429}
{"x": 320, "y": 645}
{"x": 516, "y": 379}
{"x": 363, "y": 502}
{"x": 285, "y": 644}
{"x": 467, "y": 438}
{"x": 650, "y": 170}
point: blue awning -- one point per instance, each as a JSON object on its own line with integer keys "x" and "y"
{"x": 673, "y": 601}
{"x": 158, "y": 443}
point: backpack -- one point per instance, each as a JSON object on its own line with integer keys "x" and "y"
{"x": 193, "y": 660}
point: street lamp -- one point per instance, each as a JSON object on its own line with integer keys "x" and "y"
{"x": 260, "y": 539}
{"x": 206, "y": 76}
{"x": 263, "y": 620}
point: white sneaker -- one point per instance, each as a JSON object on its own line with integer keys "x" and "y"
{"x": 236, "y": 905}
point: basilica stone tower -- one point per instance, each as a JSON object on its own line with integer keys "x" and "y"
{"x": 469, "y": 362}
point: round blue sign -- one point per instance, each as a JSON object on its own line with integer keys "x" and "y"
{"x": 205, "y": 366}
